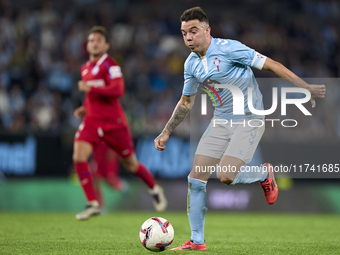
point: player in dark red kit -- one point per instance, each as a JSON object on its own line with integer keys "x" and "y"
{"x": 103, "y": 84}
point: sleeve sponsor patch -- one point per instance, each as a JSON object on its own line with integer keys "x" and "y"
{"x": 115, "y": 72}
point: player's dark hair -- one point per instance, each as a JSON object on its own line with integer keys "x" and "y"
{"x": 194, "y": 13}
{"x": 101, "y": 30}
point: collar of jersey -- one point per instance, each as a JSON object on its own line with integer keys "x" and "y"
{"x": 211, "y": 46}
{"x": 100, "y": 60}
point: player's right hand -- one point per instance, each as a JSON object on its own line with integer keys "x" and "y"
{"x": 80, "y": 112}
{"x": 160, "y": 141}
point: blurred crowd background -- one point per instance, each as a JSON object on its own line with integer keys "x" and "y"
{"x": 42, "y": 47}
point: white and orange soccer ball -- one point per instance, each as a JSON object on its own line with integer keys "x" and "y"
{"x": 156, "y": 234}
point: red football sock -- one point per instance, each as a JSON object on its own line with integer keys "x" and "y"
{"x": 144, "y": 174}
{"x": 86, "y": 180}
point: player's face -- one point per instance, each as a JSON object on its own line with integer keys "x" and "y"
{"x": 196, "y": 35}
{"x": 96, "y": 44}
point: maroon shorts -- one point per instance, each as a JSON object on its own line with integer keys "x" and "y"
{"x": 117, "y": 138}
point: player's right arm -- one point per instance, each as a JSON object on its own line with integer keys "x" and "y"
{"x": 179, "y": 114}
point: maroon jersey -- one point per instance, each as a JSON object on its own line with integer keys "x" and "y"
{"x": 105, "y": 78}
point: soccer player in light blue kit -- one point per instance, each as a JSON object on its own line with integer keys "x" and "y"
{"x": 226, "y": 62}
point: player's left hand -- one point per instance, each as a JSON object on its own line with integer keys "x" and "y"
{"x": 82, "y": 86}
{"x": 317, "y": 91}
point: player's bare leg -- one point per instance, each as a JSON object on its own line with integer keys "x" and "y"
{"x": 233, "y": 166}
{"x": 132, "y": 165}
{"x": 197, "y": 201}
{"x": 81, "y": 153}
{"x": 237, "y": 175}
{"x": 202, "y": 162}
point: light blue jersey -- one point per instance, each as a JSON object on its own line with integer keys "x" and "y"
{"x": 226, "y": 62}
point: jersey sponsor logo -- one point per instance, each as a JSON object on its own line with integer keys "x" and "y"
{"x": 115, "y": 72}
{"x": 84, "y": 72}
{"x": 96, "y": 83}
{"x": 210, "y": 87}
{"x": 217, "y": 63}
{"x": 95, "y": 70}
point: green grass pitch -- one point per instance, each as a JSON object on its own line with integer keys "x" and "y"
{"x": 117, "y": 233}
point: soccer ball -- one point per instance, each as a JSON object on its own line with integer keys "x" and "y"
{"x": 156, "y": 234}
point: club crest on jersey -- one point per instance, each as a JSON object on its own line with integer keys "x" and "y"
{"x": 95, "y": 70}
{"x": 217, "y": 63}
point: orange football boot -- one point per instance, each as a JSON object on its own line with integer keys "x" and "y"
{"x": 269, "y": 186}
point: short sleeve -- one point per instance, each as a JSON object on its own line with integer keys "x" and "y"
{"x": 190, "y": 82}
{"x": 240, "y": 53}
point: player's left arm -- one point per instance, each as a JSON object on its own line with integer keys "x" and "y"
{"x": 317, "y": 91}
